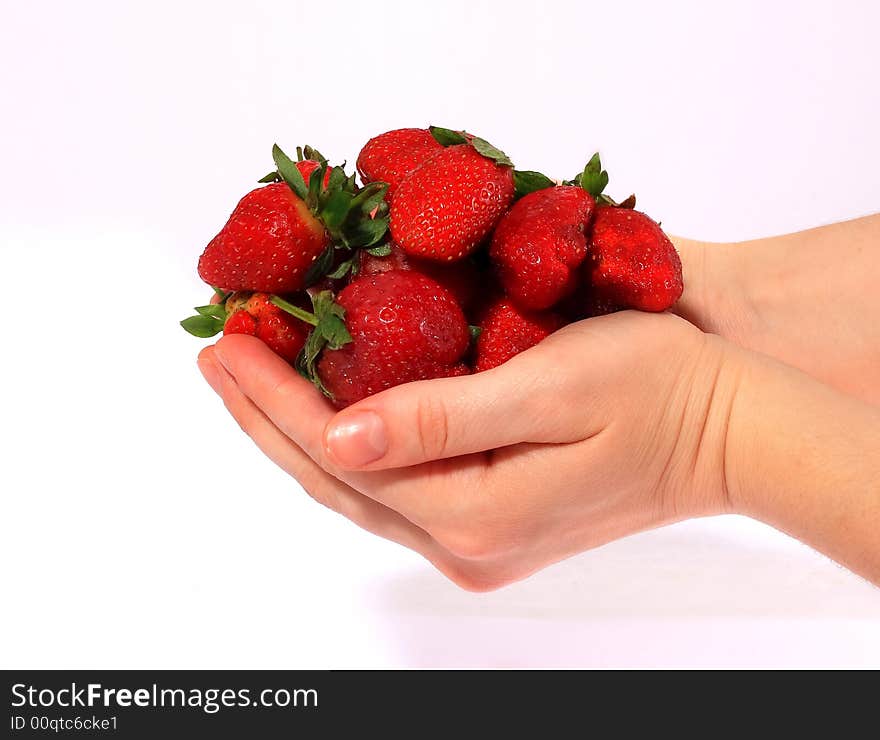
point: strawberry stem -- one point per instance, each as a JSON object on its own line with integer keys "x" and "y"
{"x": 300, "y": 313}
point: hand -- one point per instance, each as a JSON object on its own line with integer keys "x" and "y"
{"x": 610, "y": 426}
{"x": 808, "y": 299}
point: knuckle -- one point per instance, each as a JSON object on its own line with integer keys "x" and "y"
{"x": 432, "y": 426}
{"x": 283, "y": 387}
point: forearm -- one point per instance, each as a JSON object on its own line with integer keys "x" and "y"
{"x": 808, "y": 299}
{"x": 806, "y": 459}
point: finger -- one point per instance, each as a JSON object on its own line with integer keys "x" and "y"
{"x": 324, "y": 488}
{"x": 301, "y": 413}
{"x": 293, "y": 404}
{"x": 436, "y": 419}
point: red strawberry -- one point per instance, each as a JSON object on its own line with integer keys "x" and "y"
{"x": 241, "y": 322}
{"x": 396, "y": 259}
{"x": 459, "y": 278}
{"x": 451, "y": 202}
{"x": 630, "y": 261}
{"x": 508, "y": 330}
{"x": 539, "y": 244}
{"x": 268, "y": 244}
{"x": 307, "y": 166}
{"x": 254, "y": 314}
{"x": 391, "y": 156}
{"x": 403, "y": 327}
{"x": 278, "y": 238}
{"x": 585, "y": 303}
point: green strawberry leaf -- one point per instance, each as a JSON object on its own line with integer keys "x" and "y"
{"x": 335, "y": 209}
{"x": 528, "y": 181}
{"x": 289, "y": 172}
{"x": 299, "y": 154}
{"x": 214, "y": 310}
{"x": 307, "y": 359}
{"x": 222, "y": 293}
{"x": 367, "y": 233}
{"x": 446, "y": 136}
{"x": 382, "y": 210}
{"x": 493, "y": 153}
{"x": 330, "y": 332}
{"x": 370, "y": 197}
{"x": 330, "y": 316}
{"x": 337, "y": 179}
{"x": 594, "y": 179}
{"x": 316, "y": 185}
{"x": 312, "y": 153}
{"x": 202, "y": 326}
{"x": 296, "y": 311}
{"x": 342, "y": 270}
{"x": 273, "y": 176}
{"x": 320, "y": 266}
{"x": 383, "y": 250}
{"x": 475, "y": 332}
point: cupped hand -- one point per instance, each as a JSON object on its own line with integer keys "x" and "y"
{"x": 610, "y": 426}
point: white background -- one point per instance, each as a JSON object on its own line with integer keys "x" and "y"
{"x": 142, "y": 529}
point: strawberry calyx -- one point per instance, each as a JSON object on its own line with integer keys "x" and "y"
{"x": 451, "y": 137}
{"x": 524, "y": 181}
{"x": 594, "y": 180}
{"x": 208, "y": 320}
{"x": 528, "y": 181}
{"x": 329, "y": 331}
{"x": 352, "y": 264}
{"x": 354, "y": 217}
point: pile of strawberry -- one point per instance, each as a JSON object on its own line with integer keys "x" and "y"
{"x": 445, "y": 261}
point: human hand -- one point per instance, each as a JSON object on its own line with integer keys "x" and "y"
{"x": 610, "y": 426}
{"x": 807, "y": 299}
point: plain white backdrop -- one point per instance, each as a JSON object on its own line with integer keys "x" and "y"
{"x": 141, "y": 528}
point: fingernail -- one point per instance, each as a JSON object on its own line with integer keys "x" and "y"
{"x": 357, "y": 439}
{"x": 212, "y": 375}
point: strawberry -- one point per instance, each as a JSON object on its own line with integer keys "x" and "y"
{"x": 459, "y": 278}
{"x": 269, "y": 243}
{"x": 507, "y": 330}
{"x": 585, "y": 303}
{"x": 280, "y": 238}
{"x": 391, "y": 156}
{"x": 399, "y": 326}
{"x": 630, "y": 261}
{"x": 452, "y": 201}
{"x": 373, "y": 264}
{"x": 307, "y": 166}
{"x": 539, "y": 244}
{"x": 254, "y": 314}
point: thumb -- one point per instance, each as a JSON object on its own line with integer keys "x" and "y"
{"x": 433, "y": 419}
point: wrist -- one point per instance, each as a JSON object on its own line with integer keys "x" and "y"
{"x": 717, "y": 288}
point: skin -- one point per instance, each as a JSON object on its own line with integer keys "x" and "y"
{"x": 758, "y": 398}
